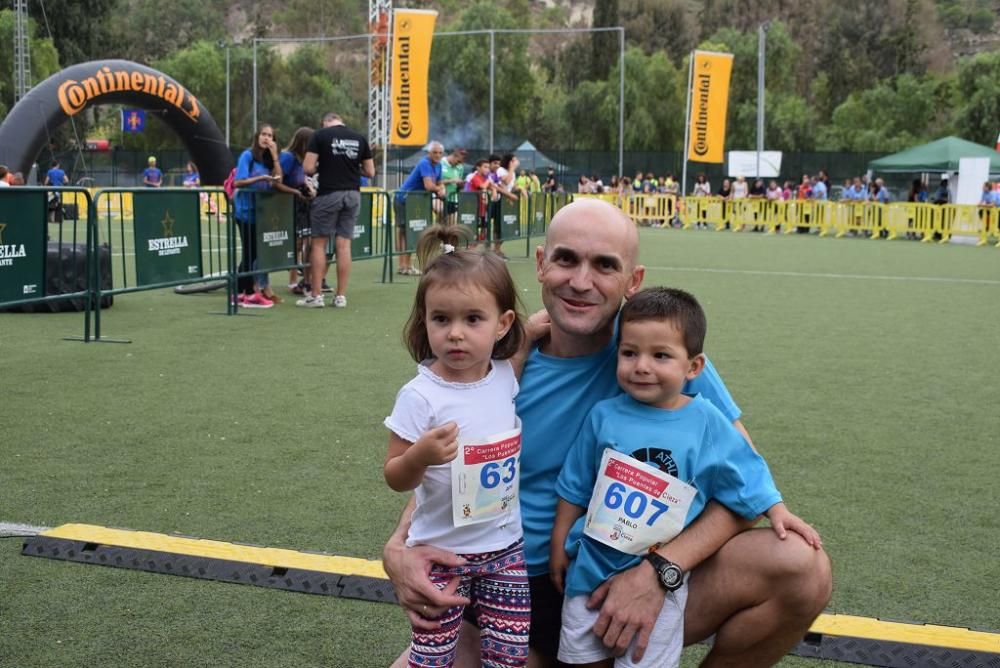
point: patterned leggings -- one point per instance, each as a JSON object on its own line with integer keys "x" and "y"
{"x": 497, "y": 585}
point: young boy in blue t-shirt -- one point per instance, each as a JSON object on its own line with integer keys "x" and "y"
{"x": 644, "y": 466}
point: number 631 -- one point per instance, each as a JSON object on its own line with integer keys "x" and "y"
{"x": 490, "y": 476}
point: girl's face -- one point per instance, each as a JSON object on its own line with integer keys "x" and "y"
{"x": 463, "y": 323}
{"x": 266, "y": 137}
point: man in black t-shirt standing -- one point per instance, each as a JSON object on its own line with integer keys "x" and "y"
{"x": 340, "y": 157}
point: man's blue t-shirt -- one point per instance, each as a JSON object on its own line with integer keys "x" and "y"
{"x": 415, "y": 181}
{"x": 247, "y": 167}
{"x": 56, "y": 176}
{"x": 696, "y": 444}
{"x": 556, "y": 395}
{"x": 152, "y": 175}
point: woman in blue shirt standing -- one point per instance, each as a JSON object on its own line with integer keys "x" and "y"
{"x": 258, "y": 168}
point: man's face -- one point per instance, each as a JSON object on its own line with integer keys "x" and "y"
{"x": 435, "y": 153}
{"x": 587, "y": 267}
{"x": 494, "y": 165}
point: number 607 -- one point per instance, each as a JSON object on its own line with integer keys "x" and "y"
{"x": 634, "y": 504}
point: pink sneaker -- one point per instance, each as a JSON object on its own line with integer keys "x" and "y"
{"x": 256, "y": 301}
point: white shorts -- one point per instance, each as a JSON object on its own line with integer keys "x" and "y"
{"x": 579, "y": 644}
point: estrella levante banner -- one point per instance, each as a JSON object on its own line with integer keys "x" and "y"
{"x": 709, "y": 103}
{"x": 412, "y": 33}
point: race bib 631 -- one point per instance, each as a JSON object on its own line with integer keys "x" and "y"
{"x": 484, "y": 478}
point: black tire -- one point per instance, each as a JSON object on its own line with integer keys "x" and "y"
{"x": 202, "y": 286}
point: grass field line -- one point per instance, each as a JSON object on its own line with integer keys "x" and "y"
{"x": 810, "y": 274}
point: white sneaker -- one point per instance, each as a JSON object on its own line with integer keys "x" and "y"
{"x": 311, "y": 302}
{"x": 340, "y": 301}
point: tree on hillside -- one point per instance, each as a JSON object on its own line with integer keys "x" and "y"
{"x": 459, "y": 87}
{"x": 656, "y": 25}
{"x": 79, "y": 29}
{"x": 896, "y": 114}
{"x": 603, "y": 44}
{"x": 585, "y": 117}
{"x": 787, "y": 116}
{"x": 977, "y": 116}
{"x": 148, "y": 31}
{"x": 44, "y": 59}
{"x": 320, "y": 18}
{"x": 864, "y": 43}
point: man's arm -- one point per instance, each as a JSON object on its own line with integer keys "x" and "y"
{"x": 309, "y": 164}
{"x": 631, "y": 600}
{"x": 408, "y": 569}
{"x": 367, "y": 167}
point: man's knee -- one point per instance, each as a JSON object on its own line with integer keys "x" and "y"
{"x": 804, "y": 573}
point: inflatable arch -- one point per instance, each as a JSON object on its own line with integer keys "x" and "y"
{"x": 49, "y": 104}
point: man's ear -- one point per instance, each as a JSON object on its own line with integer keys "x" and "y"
{"x": 539, "y": 261}
{"x": 635, "y": 281}
{"x": 697, "y": 365}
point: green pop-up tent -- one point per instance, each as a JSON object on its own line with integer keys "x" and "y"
{"x": 941, "y": 155}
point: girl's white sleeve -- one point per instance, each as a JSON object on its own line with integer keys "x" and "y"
{"x": 411, "y": 416}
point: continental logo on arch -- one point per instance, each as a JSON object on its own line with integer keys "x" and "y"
{"x": 709, "y": 104}
{"x": 75, "y": 95}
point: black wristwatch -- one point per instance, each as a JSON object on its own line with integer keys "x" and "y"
{"x": 670, "y": 575}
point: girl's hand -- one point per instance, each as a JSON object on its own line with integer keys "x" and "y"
{"x": 558, "y": 563}
{"x": 783, "y": 521}
{"x": 436, "y": 446}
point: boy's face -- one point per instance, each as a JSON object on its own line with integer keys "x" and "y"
{"x": 484, "y": 168}
{"x": 653, "y": 363}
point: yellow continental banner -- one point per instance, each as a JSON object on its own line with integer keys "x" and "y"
{"x": 412, "y": 32}
{"x": 709, "y": 102}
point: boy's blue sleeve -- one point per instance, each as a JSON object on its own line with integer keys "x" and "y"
{"x": 709, "y": 385}
{"x": 579, "y": 472}
{"x": 740, "y": 479}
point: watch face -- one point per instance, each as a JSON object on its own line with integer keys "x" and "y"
{"x": 671, "y": 577}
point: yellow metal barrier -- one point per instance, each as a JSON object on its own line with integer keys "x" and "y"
{"x": 966, "y": 220}
{"x": 755, "y": 213}
{"x": 898, "y": 220}
{"x": 911, "y": 220}
{"x": 807, "y": 214}
{"x": 651, "y": 208}
{"x": 705, "y": 210}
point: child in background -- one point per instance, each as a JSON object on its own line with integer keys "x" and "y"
{"x": 455, "y": 440}
{"x": 675, "y": 453}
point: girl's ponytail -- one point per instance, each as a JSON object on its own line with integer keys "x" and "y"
{"x": 436, "y": 238}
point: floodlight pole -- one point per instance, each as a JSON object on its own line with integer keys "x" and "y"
{"x": 621, "y": 102}
{"x": 761, "y": 47}
{"x": 492, "y": 67}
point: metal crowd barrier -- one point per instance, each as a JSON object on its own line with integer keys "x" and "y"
{"x": 501, "y": 220}
{"x": 45, "y": 246}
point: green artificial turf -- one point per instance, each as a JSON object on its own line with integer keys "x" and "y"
{"x": 867, "y": 372}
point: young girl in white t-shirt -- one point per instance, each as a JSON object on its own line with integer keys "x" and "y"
{"x": 455, "y": 440}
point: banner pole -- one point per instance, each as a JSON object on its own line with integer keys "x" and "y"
{"x": 687, "y": 125}
{"x": 255, "y": 85}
